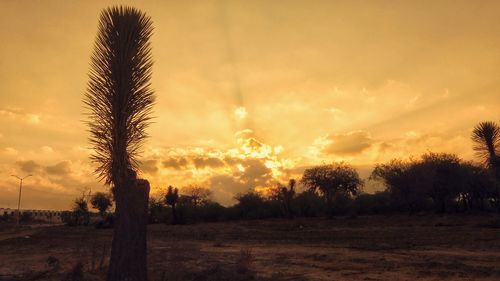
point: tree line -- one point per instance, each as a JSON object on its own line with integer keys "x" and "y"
{"x": 434, "y": 182}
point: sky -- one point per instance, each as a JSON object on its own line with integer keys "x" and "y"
{"x": 249, "y": 93}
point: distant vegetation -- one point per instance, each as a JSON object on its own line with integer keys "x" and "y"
{"x": 434, "y": 182}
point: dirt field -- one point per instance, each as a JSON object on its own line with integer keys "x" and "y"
{"x": 363, "y": 248}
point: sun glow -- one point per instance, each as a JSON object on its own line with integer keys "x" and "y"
{"x": 240, "y": 112}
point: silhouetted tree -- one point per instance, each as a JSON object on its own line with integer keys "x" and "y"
{"x": 309, "y": 204}
{"x": 333, "y": 180}
{"x": 486, "y": 137}
{"x": 443, "y": 178}
{"x": 286, "y": 196}
{"x": 120, "y": 101}
{"x": 81, "y": 215}
{"x": 171, "y": 198}
{"x": 252, "y": 205}
{"x": 197, "y": 195}
{"x": 476, "y": 186}
{"x": 402, "y": 181}
{"x": 157, "y": 210}
{"x": 102, "y": 202}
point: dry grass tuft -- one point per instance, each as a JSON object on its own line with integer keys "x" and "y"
{"x": 245, "y": 261}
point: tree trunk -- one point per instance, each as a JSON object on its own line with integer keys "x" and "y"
{"x": 174, "y": 214}
{"x": 129, "y": 250}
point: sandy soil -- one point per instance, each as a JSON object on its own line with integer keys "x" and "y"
{"x": 364, "y": 248}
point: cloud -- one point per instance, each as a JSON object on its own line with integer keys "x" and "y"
{"x": 176, "y": 163}
{"x": 19, "y": 114}
{"x": 247, "y": 174}
{"x": 348, "y": 144}
{"x": 227, "y": 172}
{"x": 47, "y": 149}
{"x": 210, "y": 162}
{"x": 11, "y": 151}
{"x": 28, "y": 166}
{"x": 255, "y": 171}
{"x": 149, "y": 166}
{"x": 59, "y": 169}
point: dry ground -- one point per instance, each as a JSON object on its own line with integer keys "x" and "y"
{"x": 363, "y": 248}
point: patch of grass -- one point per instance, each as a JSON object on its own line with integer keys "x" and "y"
{"x": 245, "y": 261}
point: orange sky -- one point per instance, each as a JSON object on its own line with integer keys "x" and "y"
{"x": 250, "y": 92}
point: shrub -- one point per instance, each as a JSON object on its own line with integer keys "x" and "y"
{"x": 378, "y": 203}
{"x": 309, "y": 204}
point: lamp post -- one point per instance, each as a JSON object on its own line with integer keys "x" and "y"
{"x": 19, "y": 200}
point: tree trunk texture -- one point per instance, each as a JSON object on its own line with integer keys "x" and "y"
{"x": 128, "y": 260}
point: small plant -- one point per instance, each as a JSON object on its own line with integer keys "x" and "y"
{"x": 53, "y": 263}
{"x": 76, "y": 273}
{"x": 245, "y": 261}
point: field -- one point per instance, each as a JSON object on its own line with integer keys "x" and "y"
{"x": 362, "y": 248}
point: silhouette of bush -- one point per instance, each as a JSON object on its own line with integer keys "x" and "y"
{"x": 210, "y": 211}
{"x": 438, "y": 181}
{"x": 102, "y": 202}
{"x": 158, "y": 212}
{"x": 309, "y": 204}
{"x": 254, "y": 206}
{"x": 378, "y": 203}
{"x": 53, "y": 263}
{"x": 107, "y": 222}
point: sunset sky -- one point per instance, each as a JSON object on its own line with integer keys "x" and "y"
{"x": 250, "y": 92}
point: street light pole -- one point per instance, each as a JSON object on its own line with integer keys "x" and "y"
{"x": 19, "y": 200}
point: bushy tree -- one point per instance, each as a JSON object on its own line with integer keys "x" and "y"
{"x": 402, "y": 182}
{"x": 309, "y": 204}
{"x": 333, "y": 180}
{"x": 443, "y": 178}
{"x": 80, "y": 212}
{"x": 373, "y": 204}
{"x": 197, "y": 195}
{"x": 253, "y": 205}
{"x": 102, "y": 202}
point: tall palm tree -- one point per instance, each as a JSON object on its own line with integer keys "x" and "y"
{"x": 119, "y": 100}
{"x": 486, "y": 137}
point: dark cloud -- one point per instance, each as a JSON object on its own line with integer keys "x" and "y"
{"x": 59, "y": 169}
{"x": 226, "y": 186}
{"x": 348, "y": 144}
{"x": 211, "y": 162}
{"x": 28, "y": 166}
{"x": 176, "y": 163}
{"x": 255, "y": 172}
{"x": 149, "y": 166}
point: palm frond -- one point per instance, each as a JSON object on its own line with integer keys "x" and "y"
{"x": 486, "y": 138}
{"x": 119, "y": 98}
